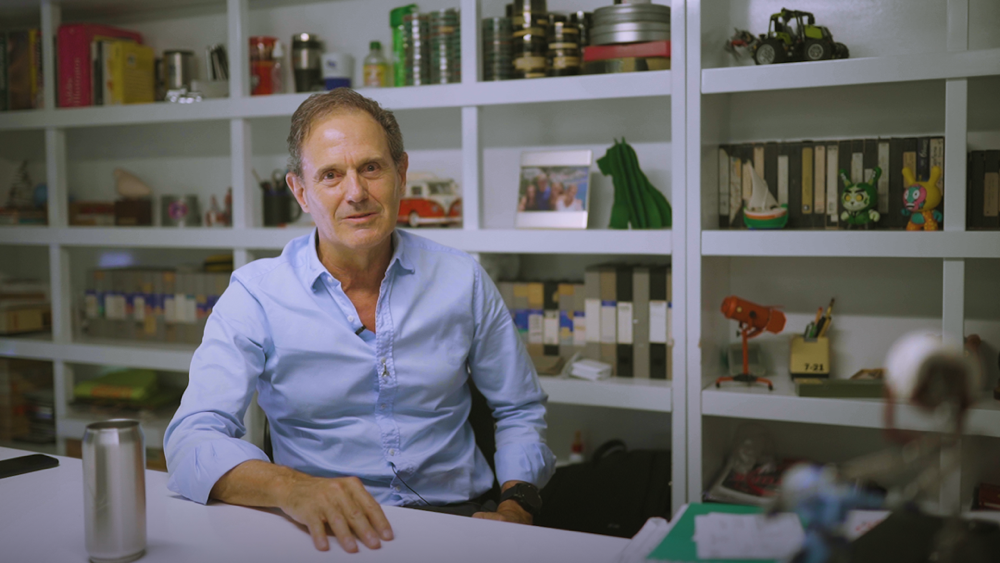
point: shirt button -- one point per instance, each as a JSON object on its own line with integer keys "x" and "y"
{"x": 396, "y": 488}
{"x": 392, "y": 452}
{"x": 382, "y": 406}
{"x": 350, "y": 319}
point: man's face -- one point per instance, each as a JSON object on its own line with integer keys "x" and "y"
{"x": 349, "y": 183}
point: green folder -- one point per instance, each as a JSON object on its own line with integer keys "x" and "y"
{"x": 679, "y": 545}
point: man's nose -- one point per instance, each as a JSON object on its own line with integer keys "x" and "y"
{"x": 356, "y": 190}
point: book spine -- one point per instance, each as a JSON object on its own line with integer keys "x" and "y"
{"x": 894, "y": 218}
{"x": 795, "y": 218}
{"x": 625, "y": 310}
{"x": 3, "y": 72}
{"x": 819, "y": 186}
{"x": 782, "y": 177}
{"x": 73, "y": 47}
{"x": 609, "y": 317}
{"x": 658, "y": 323}
{"x": 845, "y": 153}
{"x": 536, "y": 318}
{"x": 807, "y": 184}
{"x": 883, "y": 181}
{"x": 640, "y": 325}
{"x": 923, "y": 158}
{"x": 991, "y": 190}
{"x": 566, "y": 320}
{"x": 832, "y": 181}
{"x": 550, "y": 318}
{"x": 579, "y": 318}
{"x": 521, "y": 310}
{"x": 770, "y": 171}
{"x": 37, "y": 86}
{"x": 937, "y": 159}
{"x": 592, "y": 312}
{"x": 746, "y": 179}
{"x": 735, "y": 188}
{"x": 723, "y": 187}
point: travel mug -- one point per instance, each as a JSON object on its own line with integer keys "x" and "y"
{"x": 114, "y": 491}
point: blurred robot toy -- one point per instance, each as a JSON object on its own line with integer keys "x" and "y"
{"x": 860, "y": 201}
{"x": 920, "y": 201}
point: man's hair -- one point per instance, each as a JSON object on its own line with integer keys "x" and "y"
{"x": 319, "y": 106}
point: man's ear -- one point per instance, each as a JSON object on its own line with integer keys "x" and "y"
{"x": 297, "y": 185}
{"x": 401, "y": 168}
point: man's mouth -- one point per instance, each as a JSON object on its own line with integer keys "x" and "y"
{"x": 358, "y": 216}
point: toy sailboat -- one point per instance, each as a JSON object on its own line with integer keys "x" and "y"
{"x": 763, "y": 211}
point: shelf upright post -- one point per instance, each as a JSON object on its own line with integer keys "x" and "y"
{"x": 690, "y": 254}
{"x": 953, "y": 326}
{"x": 238, "y": 21}
{"x": 470, "y": 41}
{"x": 244, "y": 187}
{"x": 51, "y": 18}
{"x": 679, "y": 233}
{"x": 471, "y": 168}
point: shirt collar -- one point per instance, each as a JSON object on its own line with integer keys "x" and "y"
{"x": 400, "y": 257}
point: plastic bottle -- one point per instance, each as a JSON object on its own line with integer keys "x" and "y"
{"x": 576, "y": 450}
{"x": 278, "y": 71}
{"x": 376, "y": 69}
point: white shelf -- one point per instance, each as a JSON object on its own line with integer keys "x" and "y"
{"x": 561, "y": 89}
{"x": 75, "y": 422}
{"x": 872, "y": 70}
{"x": 589, "y": 241}
{"x": 899, "y": 244}
{"x": 150, "y": 355}
{"x": 618, "y": 392}
{"x": 782, "y": 404}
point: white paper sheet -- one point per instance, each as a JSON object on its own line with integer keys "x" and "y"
{"x": 748, "y": 536}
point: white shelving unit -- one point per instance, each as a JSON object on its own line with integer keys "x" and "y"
{"x": 70, "y": 132}
{"x": 909, "y": 74}
{"x": 918, "y": 68}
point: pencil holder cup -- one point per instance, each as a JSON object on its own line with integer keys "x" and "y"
{"x": 809, "y": 357}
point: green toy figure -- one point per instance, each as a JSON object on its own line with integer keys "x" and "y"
{"x": 860, "y": 201}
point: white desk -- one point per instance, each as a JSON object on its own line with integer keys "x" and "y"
{"x": 41, "y": 519}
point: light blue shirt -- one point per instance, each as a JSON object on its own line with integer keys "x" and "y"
{"x": 343, "y": 404}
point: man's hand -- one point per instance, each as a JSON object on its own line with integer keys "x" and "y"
{"x": 344, "y": 504}
{"x": 315, "y": 502}
{"x": 508, "y": 511}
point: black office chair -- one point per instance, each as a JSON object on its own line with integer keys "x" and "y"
{"x": 483, "y": 427}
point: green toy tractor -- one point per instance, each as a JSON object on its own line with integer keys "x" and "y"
{"x": 792, "y": 36}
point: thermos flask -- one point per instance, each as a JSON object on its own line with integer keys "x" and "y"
{"x": 114, "y": 496}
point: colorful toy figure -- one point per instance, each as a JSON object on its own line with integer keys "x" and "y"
{"x": 860, "y": 201}
{"x": 920, "y": 200}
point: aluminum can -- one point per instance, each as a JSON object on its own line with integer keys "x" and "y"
{"x": 114, "y": 491}
{"x": 179, "y": 69}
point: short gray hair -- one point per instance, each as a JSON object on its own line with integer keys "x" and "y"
{"x": 319, "y": 106}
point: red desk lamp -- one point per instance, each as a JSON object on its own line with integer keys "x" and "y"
{"x": 754, "y": 319}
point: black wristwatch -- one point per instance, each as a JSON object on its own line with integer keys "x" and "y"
{"x": 526, "y": 495}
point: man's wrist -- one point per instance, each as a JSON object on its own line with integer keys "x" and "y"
{"x": 512, "y": 506}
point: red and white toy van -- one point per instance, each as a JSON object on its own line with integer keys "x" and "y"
{"x": 430, "y": 200}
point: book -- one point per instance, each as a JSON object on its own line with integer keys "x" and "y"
{"x": 723, "y": 187}
{"x": 795, "y": 217}
{"x": 991, "y": 190}
{"x": 592, "y": 312}
{"x": 624, "y": 305}
{"x": 3, "y": 72}
{"x": 819, "y": 186}
{"x": 746, "y": 179}
{"x": 781, "y": 177}
{"x": 640, "y": 326}
{"x": 579, "y": 318}
{"x": 923, "y": 158}
{"x": 807, "y": 185}
{"x": 735, "y": 188}
{"x": 883, "y": 182}
{"x": 609, "y": 316}
{"x": 845, "y": 155}
{"x": 550, "y": 318}
{"x": 894, "y": 218}
{"x": 770, "y": 171}
{"x": 130, "y": 73}
{"x": 937, "y": 159}
{"x": 659, "y": 322}
{"x": 75, "y": 73}
{"x": 521, "y": 310}
{"x": 19, "y": 74}
{"x": 566, "y": 346}
{"x": 832, "y": 181}
{"x": 536, "y": 318}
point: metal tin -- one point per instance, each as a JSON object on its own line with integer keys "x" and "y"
{"x": 307, "y": 50}
{"x": 179, "y": 211}
{"x": 179, "y": 66}
{"x": 114, "y": 491}
{"x": 637, "y": 32}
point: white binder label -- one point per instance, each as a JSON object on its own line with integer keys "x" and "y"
{"x": 580, "y": 329}
{"x": 550, "y": 328}
{"x": 535, "y": 328}
{"x": 609, "y": 331}
{"x": 139, "y": 308}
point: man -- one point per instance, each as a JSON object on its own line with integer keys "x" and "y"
{"x": 359, "y": 341}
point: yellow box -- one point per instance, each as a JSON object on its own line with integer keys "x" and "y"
{"x": 809, "y": 357}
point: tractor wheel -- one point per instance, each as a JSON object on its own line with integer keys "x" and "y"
{"x": 414, "y": 220}
{"x": 840, "y": 51}
{"x": 817, "y": 51}
{"x": 770, "y": 51}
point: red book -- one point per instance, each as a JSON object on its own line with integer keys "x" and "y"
{"x": 75, "y": 71}
{"x": 629, "y": 50}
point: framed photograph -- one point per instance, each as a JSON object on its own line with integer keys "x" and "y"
{"x": 554, "y": 190}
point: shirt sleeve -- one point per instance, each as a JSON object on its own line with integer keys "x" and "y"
{"x": 503, "y": 372}
{"x": 202, "y": 442}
